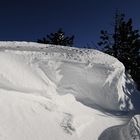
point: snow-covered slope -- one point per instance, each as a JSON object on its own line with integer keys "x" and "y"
{"x": 60, "y": 93}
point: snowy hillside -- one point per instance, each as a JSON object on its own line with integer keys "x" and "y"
{"x": 62, "y": 93}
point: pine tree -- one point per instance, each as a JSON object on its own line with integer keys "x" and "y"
{"x": 58, "y": 38}
{"x": 124, "y": 44}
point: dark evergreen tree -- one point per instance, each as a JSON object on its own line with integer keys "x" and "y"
{"x": 58, "y": 38}
{"x": 124, "y": 44}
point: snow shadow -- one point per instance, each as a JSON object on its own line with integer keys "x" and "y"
{"x": 131, "y": 91}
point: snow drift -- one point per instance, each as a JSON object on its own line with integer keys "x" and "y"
{"x": 58, "y": 92}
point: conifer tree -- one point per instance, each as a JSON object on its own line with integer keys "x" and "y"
{"x": 58, "y": 38}
{"x": 124, "y": 44}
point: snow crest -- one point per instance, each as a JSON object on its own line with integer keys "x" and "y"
{"x": 94, "y": 78}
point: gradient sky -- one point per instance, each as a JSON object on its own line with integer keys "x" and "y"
{"x": 28, "y": 20}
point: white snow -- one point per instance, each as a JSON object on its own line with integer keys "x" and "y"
{"x": 62, "y": 93}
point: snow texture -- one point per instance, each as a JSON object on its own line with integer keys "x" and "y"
{"x": 65, "y": 93}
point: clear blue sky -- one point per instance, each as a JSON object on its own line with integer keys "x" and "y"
{"x": 30, "y": 20}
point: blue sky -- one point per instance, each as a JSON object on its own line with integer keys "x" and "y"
{"x": 33, "y": 19}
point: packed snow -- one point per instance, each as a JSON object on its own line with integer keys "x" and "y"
{"x": 65, "y": 93}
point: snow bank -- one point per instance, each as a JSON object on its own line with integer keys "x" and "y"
{"x": 58, "y": 92}
{"x": 94, "y": 78}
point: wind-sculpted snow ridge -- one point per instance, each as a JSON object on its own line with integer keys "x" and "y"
{"x": 94, "y": 78}
{"x": 61, "y": 93}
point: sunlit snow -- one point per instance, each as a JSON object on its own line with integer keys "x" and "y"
{"x": 64, "y": 93}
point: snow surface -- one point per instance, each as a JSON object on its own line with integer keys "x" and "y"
{"x": 130, "y": 131}
{"x": 64, "y": 93}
